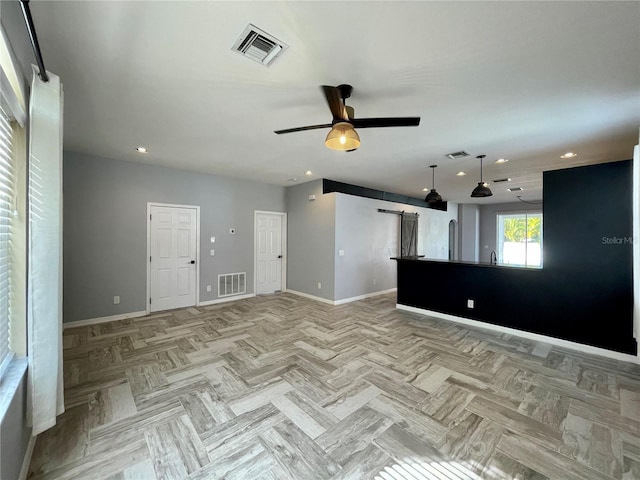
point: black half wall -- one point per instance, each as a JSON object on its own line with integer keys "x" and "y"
{"x": 584, "y": 292}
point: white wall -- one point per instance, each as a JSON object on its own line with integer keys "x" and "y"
{"x": 370, "y": 238}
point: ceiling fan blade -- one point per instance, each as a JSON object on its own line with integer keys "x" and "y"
{"x": 386, "y": 122}
{"x": 302, "y": 129}
{"x": 336, "y": 106}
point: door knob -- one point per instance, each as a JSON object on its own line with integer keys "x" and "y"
{"x": 192, "y": 262}
{"x": 279, "y": 256}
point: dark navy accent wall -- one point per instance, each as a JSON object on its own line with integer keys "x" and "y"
{"x": 583, "y": 294}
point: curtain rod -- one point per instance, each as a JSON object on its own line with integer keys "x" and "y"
{"x": 26, "y": 12}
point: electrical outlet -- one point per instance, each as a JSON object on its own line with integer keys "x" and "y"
{"x": 116, "y": 300}
{"x": 208, "y": 288}
{"x": 471, "y": 303}
{"x": 213, "y": 239}
{"x": 319, "y": 286}
{"x": 212, "y": 252}
{"x": 374, "y": 281}
{"x": 341, "y": 253}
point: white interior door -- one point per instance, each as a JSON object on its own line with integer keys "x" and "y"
{"x": 268, "y": 252}
{"x": 172, "y": 251}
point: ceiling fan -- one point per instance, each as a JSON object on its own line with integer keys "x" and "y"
{"x": 343, "y": 135}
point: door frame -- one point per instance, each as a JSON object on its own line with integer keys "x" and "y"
{"x": 172, "y": 205}
{"x": 283, "y": 240}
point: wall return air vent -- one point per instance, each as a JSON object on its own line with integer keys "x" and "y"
{"x": 232, "y": 284}
{"x": 258, "y": 45}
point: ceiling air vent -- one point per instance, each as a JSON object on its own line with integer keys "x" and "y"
{"x": 515, "y": 189}
{"x": 457, "y": 155}
{"x": 500, "y": 180}
{"x": 259, "y": 46}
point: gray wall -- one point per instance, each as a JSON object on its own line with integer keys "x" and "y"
{"x": 488, "y": 224}
{"x": 369, "y": 238}
{"x": 14, "y": 432}
{"x": 468, "y": 233}
{"x": 105, "y": 229}
{"x": 311, "y": 240}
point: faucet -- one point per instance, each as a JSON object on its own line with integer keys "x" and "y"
{"x": 494, "y": 258}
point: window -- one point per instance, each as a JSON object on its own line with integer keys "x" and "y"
{"x": 520, "y": 239}
{"x": 7, "y": 195}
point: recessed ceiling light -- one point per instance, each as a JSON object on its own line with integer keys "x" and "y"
{"x": 308, "y": 172}
{"x": 460, "y": 174}
{"x": 501, "y": 160}
{"x": 425, "y": 189}
{"x": 292, "y": 179}
{"x": 142, "y": 150}
{"x": 569, "y": 155}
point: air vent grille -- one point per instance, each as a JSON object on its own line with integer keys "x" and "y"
{"x": 456, "y": 155}
{"x": 258, "y": 45}
{"x": 500, "y": 180}
{"x": 515, "y": 189}
{"x": 232, "y": 284}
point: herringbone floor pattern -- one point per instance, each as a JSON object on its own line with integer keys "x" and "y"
{"x": 282, "y": 387}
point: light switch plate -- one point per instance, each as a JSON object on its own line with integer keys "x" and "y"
{"x": 341, "y": 253}
{"x": 213, "y": 239}
{"x": 470, "y": 303}
{"x": 212, "y": 252}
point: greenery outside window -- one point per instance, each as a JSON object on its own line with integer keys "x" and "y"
{"x": 520, "y": 239}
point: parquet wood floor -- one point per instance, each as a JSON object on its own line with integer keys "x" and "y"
{"x": 282, "y": 387}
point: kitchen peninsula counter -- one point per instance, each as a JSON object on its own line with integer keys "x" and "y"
{"x": 529, "y": 299}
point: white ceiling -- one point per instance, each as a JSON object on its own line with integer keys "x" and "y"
{"x": 522, "y": 80}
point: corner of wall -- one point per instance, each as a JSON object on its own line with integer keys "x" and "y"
{"x": 311, "y": 240}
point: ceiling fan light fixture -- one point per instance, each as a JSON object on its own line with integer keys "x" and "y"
{"x": 342, "y": 136}
{"x": 481, "y": 190}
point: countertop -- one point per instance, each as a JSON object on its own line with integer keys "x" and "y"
{"x": 422, "y": 258}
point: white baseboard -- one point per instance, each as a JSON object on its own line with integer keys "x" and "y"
{"x": 312, "y": 297}
{"x": 342, "y": 301}
{"x": 123, "y": 316}
{"x": 110, "y": 318}
{"x": 26, "y": 461}
{"x": 528, "y": 335}
{"x": 362, "y": 297}
{"x": 226, "y": 299}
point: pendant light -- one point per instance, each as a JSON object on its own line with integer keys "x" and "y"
{"x": 481, "y": 190}
{"x": 433, "y": 196}
{"x": 342, "y": 136}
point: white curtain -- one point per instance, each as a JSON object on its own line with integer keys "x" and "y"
{"x": 636, "y": 245}
{"x": 44, "y": 303}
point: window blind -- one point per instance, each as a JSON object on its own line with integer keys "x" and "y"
{"x": 6, "y": 213}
